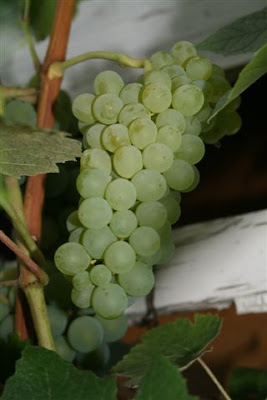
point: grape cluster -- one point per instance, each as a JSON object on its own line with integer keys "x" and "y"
{"x": 142, "y": 141}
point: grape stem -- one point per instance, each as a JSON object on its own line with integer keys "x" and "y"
{"x": 214, "y": 379}
{"x": 33, "y": 267}
{"x": 28, "y": 36}
{"x": 57, "y": 69}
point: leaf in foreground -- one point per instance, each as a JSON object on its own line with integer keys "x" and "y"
{"x": 253, "y": 71}
{"x": 181, "y": 341}
{"x": 246, "y": 34}
{"x": 24, "y": 151}
{"x": 163, "y": 381}
{"x": 42, "y": 375}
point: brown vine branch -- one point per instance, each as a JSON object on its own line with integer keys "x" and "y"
{"x": 33, "y": 267}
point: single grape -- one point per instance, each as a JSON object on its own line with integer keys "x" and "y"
{"x": 182, "y": 51}
{"x": 109, "y": 301}
{"x": 193, "y": 126}
{"x": 180, "y": 176}
{"x": 142, "y": 132}
{"x": 188, "y": 99}
{"x": 139, "y": 281}
{"x": 81, "y": 280}
{"x": 100, "y": 275}
{"x": 152, "y": 260}
{"x": 180, "y": 81}
{"x": 63, "y": 349}
{"x": 119, "y": 257}
{"x": 115, "y": 136}
{"x": 206, "y": 88}
{"x": 160, "y": 59}
{"x": 132, "y": 111}
{"x": 172, "y": 118}
{"x": 114, "y": 329}
{"x": 71, "y": 258}
{"x": 169, "y": 136}
{"x": 174, "y": 70}
{"x": 92, "y": 182}
{"x": 123, "y": 223}
{"x": 145, "y": 241}
{"x": 218, "y": 70}
{"x": 127, "y": 161}
{"x": 158, "y": 77}
{"x": 233, "y": 122}
{"x": 92, "y": 136}
{"x": 85, "y": 334}
{"x": 157, "y": 156}
{"x": 199, "y": 67}
{"x": 149, "y": 185}
{"x": 220, "y": 86}
{"x": 106, "y": 108}
{"x": 130, "y": 93}
{"x": 156, "y": 97}
{"x": 192, "y": 149}
{"x": 172, "y": 207}
{"x": 121, "y": 194}
{"x": 94, "y": 213}
{"x": 108, "y": 82}
{"x": 95, "y": 241}
{"x": 96, "y": 159}
{"x": 195, "y": 181}
{"x": 76, "y": 235}
{"x": 82, "y": 298}
{"x": 58, "y": 320}
{"x": 82, "y": 108}
{"x": 151, "y": 213}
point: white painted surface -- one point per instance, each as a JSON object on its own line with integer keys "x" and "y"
{"x": 215, "y": 263}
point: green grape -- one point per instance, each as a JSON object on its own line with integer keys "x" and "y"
{"x": 115, "y": 136}
{"x": 82, "y": 108}
{"x": 151, "y": 213}
{"x": 145, "y": 241}
{"x": 95, "y": 241}
{"x": 130, "y": 93}
{"x": 208, "y": 125}
{"x": 132, "y": 111}
{"x": 204, "y": 113}
{"x": 206, "y": 88}
{"x": 193, "y": 126}
{"x": 71, "y": 258}
{"x": 176, "y": 195}
{"x": 81, "y": 280}
{"x": 172, "y": 207}
{"x": 160, "y": 59}
{"x": 172, "y": 118}
{"x": 109, "y": 301}
{"x": 199, "y": 67}
{"x": 180, "y": 81}
{"x": 96, "y": 159}
{"x": 188, "y": 99}
{"x": 4, "y": 310}
{"x": 142, "y": 132}
{"x": 83, "y": 127}
{"x": 234, "y": 105}
{"x": 119, "y": 257}
{"x": 158, "y": 77}
{"x": 169, "y": 136}
{"x": 191, "y": 150}
{"x": 114, "y": 329}
{"x": 108, "y": 82}
{"x": 195, "y": 182}
{"x": 214, "y": 132}
{"x": 152, "y": 260}
{"x": 180, "y": 176}
{"x": 167, "y": 245}
{"x": 174, "y": 70}
{"x": 92, "y": 182}
{"x": 217, "y": 70}
{"x": 100, "y": 275}
{"x": 20, "y": 112}
{"x": 58, "y": 320}
{"x": 73, "y": 221}
{"x": 82, "y": 298}
{"x": 123, "y": 223}
{"x": 220, "y": 87}
{"x": 156, "y": 97}
{"x": 120, "y": 194}
{"x": 85, "y": 334}
{"x": 232, "y": 121}
{"x": 94, "y": 213}
{"x": 139, "y": 281}
{"x": 157, "y": 156}
{"x": 7, "y": 327}
{"x": 149, "y": 185}
{"x": 92, "y": 136}
{"x": 107, "y": 107}
{"x": 63, "y": 349}
{"x": 127, "y": 161}
{"x": 182, "y": 51}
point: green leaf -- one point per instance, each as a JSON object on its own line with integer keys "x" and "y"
{"x": 181, "y": 341}
{"x": 63, "y": 113}
{"x": 24, "y": 151}
{"x": 163, "y": 381}
{"x": 254, "y": 70}
{"x": 21, "y": 113}
{"x": 10, "y": 351}
{"x": 42, "y": 375}
{"x": 244, "y": 35}
{"x": 246, "y": 383}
